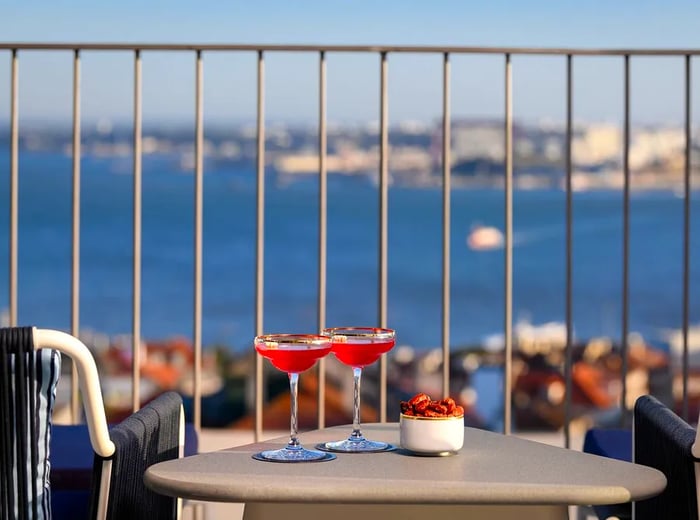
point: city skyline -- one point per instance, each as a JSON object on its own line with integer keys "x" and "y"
{"x": 415, "y": 81}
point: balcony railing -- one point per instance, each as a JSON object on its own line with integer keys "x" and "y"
{"x": 383, "y": 54}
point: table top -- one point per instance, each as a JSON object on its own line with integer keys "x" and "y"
{"x": 491, "y": 468}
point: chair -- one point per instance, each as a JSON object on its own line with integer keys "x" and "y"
{"x": 153, "y": 434}
{"x": 29, "y": 371}
{"x": 666, "y": 442}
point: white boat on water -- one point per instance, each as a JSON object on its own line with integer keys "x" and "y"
{"x": 484, "y": 238}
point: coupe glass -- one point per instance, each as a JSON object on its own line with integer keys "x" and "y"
{"x": 358, "y": 347}
{"x": 293, "y": 353}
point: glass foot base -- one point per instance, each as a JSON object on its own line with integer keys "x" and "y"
{"x": 355, "y": 446}
{"x": 293, "y": 455}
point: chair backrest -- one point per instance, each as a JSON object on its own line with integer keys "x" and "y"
{"x": 666, "y": 442}
{"x": 152, "y": 434}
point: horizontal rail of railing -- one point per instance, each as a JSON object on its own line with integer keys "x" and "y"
{"x": 574, "y": 51}
{"x": 382, "y": 51}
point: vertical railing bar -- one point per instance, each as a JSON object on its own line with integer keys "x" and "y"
{"x": 198, "y": 217}
{"x": 75, "y": 264}
{"x": 569, "y": 254}
{"x": 446, "y": 221}
{"x": 625, "y": 243}
{"x": 383, "y": 218}
{"x": 14, "y": 184}
{"x": 136, "y": 291}
{"x": 260, "y": 243}
{"x": 508, "y": 299}
{"x": 686, "y": 233}
{"x": 322, "y": 229}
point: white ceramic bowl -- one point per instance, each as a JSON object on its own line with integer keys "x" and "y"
{"x": 431, "y": 435}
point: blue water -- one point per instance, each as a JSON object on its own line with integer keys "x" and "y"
{"x": 415, "y": 237}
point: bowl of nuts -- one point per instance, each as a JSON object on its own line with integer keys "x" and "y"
{"x": 430, "y": 427}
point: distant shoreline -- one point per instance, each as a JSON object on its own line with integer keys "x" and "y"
{"x": 656, "y": 155}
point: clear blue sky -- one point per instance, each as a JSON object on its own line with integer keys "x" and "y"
{"x": 414, "y": 81}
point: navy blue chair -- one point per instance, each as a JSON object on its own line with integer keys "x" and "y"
{"x": 666, "y": 442}
{"x": 153, "y": 434}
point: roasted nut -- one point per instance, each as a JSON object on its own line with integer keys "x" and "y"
{"x": 422, "y": 406}
{"x": 438, "y": 408}
{"x": 419, "y": 398}
{"x": 449, "y": 403}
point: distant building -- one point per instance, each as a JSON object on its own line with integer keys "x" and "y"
{"x": 596, "y": 144}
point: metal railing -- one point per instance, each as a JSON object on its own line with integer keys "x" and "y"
{"x": 383, "y": 52}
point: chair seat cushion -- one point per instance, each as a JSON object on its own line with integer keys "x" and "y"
{"x": 71, "y": 457}
{"x": 613, "y": 443}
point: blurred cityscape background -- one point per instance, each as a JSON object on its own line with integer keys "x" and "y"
{"x": 656, "y": 160}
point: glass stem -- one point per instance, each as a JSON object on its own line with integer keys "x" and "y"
{"x": 294, "y": 426}
{"x": 356, "y": 433}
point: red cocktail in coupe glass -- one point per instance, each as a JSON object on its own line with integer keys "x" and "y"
{"x": 293, "y": 353}
{"x": 358, "y": 347}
